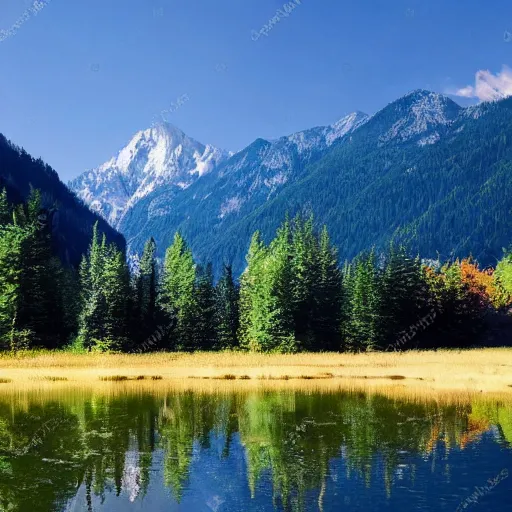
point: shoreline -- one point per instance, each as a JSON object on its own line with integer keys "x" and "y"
{"x": 486, "y": 370}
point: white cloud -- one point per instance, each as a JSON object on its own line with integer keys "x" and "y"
{"x": 488, "y": 87}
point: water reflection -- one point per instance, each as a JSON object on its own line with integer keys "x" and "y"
{"x": 251, "y": 451}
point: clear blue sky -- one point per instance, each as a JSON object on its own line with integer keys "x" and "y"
{"x": 81, "y": 77}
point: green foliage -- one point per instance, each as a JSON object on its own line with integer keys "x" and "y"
{"x": 146, "y": 280}
{"x": 105, "y": 292}
{"x": 503, "y": 276}
{"x": 177, "y": 293}
{"x": 107, "y": 344}
{"x": 364, "y": 304}
{"x": 12, "y": 239}
{"x": 290, "y": 295}
{"x": 205, "y": 326}
{"x": 76, "y": 346}
{"x": 227, "y": 298}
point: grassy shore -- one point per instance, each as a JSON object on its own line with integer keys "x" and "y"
{"x": 478, "y": 370}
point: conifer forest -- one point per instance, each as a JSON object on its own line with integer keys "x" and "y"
{"x": 295, "y": 294}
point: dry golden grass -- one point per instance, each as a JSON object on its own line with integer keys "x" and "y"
{"x": 458, "y": 371}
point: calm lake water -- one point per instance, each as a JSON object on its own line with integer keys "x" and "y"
{"x": 253, "y": 450}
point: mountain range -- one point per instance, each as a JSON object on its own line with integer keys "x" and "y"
{"x": 423, "y": 170}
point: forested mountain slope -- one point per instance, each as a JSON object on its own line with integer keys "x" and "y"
{"x": 451, "y": 196}
{"x": 163, "y": 178}
{"x": 422, "y": 170}
{"x": 71, "y": 220}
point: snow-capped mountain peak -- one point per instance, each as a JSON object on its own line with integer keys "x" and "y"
{"x": 159, "y": 155}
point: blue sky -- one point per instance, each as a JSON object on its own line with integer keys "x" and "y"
{"x": 81, "y": 77}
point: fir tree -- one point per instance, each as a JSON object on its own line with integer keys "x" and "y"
{"x": 177, "y": 292}
{"x": 12, "y": 239}
{"x": 105, "y": 291}
{"x": 5, "y": 209}
{"x": 227, "y": 309}
{"x": 362, "y": 330}
{"x": 116, "y": 291}
{"x": 327, "y": 289}
{"x": 39, "y": 310}
{"x": 266, "y": 300}
{"x": 251, "y": 285}
{"x": 146, "y": 292}
{"x": 205, "y": 328}
{"x": 305, "y": 274}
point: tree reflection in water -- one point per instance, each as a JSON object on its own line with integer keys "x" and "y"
{"x": 289, "y": 443}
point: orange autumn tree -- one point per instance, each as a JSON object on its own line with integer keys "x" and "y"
{"x": 481, "y": 285}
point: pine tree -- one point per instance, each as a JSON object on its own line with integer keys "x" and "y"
{"x": 12, "y": 240}
{"x": 278, "y": 306}
{"x": 362, "y": 330}
{"x": 227, "y": 296}
{"x": 5, "y": 209}
{"x": 327, "y": 297}
{"x": 250, "y": 285}
{"x": 405, "y": 293}
{"x": 146, "y": 292}
{"x": 105, "y": 292}
{"x": 305, "y": 274}
{"x": 205, "y": 328}
{"x": 177, "y": 293}
{"x": 116, "y": 291}
{"x": 91, "y": 324}
{"x": 39, "y": 310}
{"x": 266, "y": 295}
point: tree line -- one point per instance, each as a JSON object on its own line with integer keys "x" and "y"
{"x": 293, "y": 295}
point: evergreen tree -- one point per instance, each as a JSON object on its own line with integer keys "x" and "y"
{"x": 105, "y": 291}
{"x": 39, "y": 310}
{"x": 146, "y": 292}
{"x": 362, "y": 330}
{"x": 227, "y": 309}
{"x": 12, "y": 240}
{"x": 404, "y": 295}
{"x": 266, "y": 301}
{"x": 305, "y": 275}
{"x": 91, "y": 325}
{"x": 116, "y": 292}
{"x": 328, "y": 297}
{"x": 177, "y": 293}
{"x": 250, "y": 290}
{"x": 5, "y": 209}
{"x": 205, "y": 328}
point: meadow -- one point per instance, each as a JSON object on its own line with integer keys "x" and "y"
{"x": 459, "y": 371}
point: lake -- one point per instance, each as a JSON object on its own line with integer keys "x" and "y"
{"x": 124, "y": 449}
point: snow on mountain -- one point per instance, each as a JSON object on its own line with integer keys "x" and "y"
{"x": 420, "y": 115}
{"x": 161, "y": 155}
{"x": 345, "y": 125}
{"x": 265, "y": 166}
{"x": 324, "y": 136}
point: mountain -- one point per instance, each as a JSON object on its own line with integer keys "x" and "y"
{"x": 423, "y": 170}
{"x": 159, "y": 157}
{"x": 72, "y": 221}
{"x": 139, "y": 190}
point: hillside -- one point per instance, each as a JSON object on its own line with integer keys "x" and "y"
{"x": 71, "y": 219}
{"x": 422, "y": 170}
